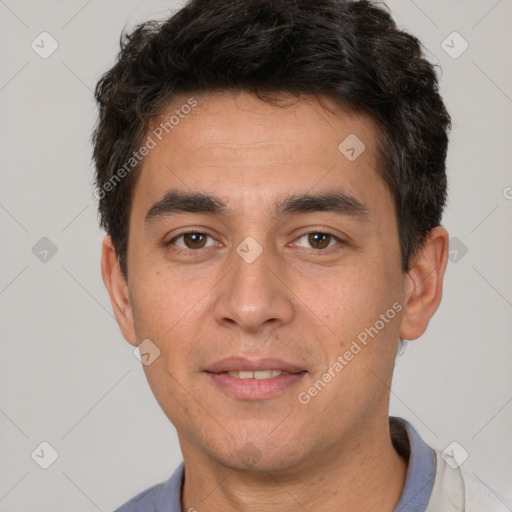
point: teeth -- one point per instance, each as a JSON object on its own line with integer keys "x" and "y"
{"x": 260, "y": 374}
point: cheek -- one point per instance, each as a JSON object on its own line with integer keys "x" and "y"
{"x": 363, "y": 312}
{"x": 161, "y": 301}
{"x": 354, "y": 300}
{"x": 172, "y": 313}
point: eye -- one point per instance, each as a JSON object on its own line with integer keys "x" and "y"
{"x": 191, "y": 240}
{"x": 318, "y": 240}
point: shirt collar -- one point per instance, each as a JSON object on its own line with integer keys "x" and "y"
{"x": 421, "y": 470}
{"x": 419, "y": 481}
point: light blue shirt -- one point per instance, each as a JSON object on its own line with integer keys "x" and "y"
{"x": 419, "y": 482}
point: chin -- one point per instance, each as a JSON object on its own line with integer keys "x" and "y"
{"x": 259, "y": 454}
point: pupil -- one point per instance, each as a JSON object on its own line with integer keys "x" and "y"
{"x": 195, "y": 239}
{"x": 319, "y": 239}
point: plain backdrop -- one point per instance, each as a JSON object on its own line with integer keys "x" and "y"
{"x": 68, "y": 378}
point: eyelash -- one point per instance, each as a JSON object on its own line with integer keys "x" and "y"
{"x": 328, "y": 249}
{"x": 170, "y": 243}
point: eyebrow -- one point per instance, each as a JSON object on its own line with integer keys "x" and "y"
{"x": 336, "y": 201}
{"x": 177, "y": 201}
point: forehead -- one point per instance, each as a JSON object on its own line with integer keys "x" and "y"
{"x": 241, "y": 147}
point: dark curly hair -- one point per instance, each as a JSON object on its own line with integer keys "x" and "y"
{"x": 349, "y": 51}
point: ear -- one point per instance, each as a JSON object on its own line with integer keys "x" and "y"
{"x": 424, "y": 284}
{"x": 117, "y": 288}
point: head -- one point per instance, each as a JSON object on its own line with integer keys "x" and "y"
{"x": 304, "y": 144}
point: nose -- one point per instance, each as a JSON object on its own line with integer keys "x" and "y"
{"x": 254, "y": 295}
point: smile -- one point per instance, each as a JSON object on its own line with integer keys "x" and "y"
{"x": 260, "y": 374}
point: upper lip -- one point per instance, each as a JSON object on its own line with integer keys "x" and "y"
{"x": 233, "y": 364}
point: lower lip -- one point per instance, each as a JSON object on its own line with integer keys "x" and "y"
{"x": 255, "y": 389}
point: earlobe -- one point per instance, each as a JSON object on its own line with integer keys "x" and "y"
{"x": 424, "y": 284}
{"x": 117, "y": 288}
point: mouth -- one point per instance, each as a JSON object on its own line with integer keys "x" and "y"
{"x": 259, "y": 375}
{"x": 254, "y": 379}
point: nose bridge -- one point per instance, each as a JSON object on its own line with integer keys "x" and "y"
{"x": 252, "y": 295}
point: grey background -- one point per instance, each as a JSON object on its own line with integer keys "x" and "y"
{"x": 66, "y": 374}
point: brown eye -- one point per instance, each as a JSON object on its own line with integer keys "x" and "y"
{"x": 318, "y": 240}
{"x": 192, "y": 240}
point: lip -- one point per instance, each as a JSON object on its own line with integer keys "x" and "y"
{"x": 233, "y": 364}
{"x": 254, "y": 389}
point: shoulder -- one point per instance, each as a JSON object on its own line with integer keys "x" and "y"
{"x": 456, "y": 490}
{"x": 146, "y": 501}
{"x": 165, "y": 496}
{"x": 481, "y": 498}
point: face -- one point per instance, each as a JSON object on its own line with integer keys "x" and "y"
{"x": 260, "y": 256}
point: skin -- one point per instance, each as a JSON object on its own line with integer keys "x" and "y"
{"x": 297, "y": 301}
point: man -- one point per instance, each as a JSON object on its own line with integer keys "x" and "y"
{"x": 271, "y": 177}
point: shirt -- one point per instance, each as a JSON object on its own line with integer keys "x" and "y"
{"x": 431, "y": 485}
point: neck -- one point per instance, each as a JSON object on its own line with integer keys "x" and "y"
{"x": 366, "y": 474}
